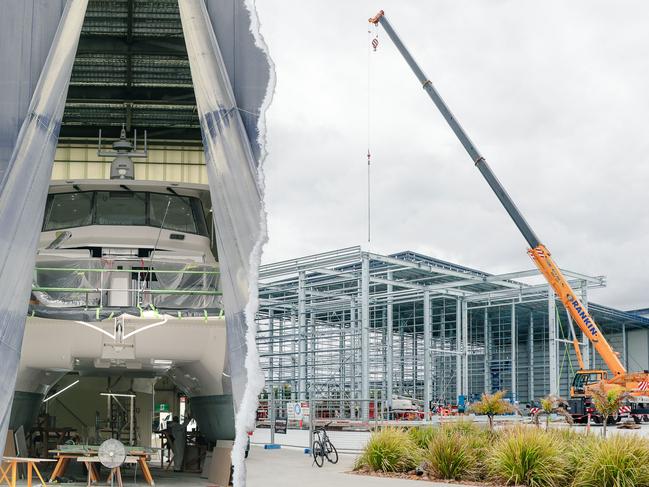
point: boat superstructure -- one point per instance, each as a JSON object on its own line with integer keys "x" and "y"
{"x": 126, "y": 285}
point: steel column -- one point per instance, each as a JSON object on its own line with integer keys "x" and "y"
{"x": 389, "y": 345}
{"x": 427, "y": 354}
{"x": 552, "y": 343}
{"x": 458, "y": 349}
{"x": 301, "y": 316}
{"x": 530, "y": 351}
{"x": 365, "y": 337}
{"x": 465, "y": 344}
{"x": 513, "y": 351}
{"x": 487, "y": 351}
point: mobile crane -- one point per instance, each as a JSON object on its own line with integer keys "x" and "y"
{"x": 636, "y": 383}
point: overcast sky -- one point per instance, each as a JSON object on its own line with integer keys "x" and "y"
{"x": 553, "y": 93}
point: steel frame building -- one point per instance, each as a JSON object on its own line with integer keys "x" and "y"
{"x": 355, "y": 326}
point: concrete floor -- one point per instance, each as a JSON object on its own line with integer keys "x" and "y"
{"x": 290, "y": 467}
{"x": 286, "y": 467}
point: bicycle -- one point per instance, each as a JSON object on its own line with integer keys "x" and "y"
{"x": 323, "y": 447}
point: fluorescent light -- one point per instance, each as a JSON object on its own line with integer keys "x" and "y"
{"x": 116, "y": 395}
{"x": 62, "y": 390}
{"x": 162, "y": 362}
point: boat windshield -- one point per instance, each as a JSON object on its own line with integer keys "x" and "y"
{"x": 169, "y": 211}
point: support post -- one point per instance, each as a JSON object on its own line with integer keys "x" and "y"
{"x": 513, "y": 351}
{"x": 530, "y": 353}
{"x": 402, "y": 356}
{"x": 427, "y": 355}
{"x": 458, "y": 350}
{"x": 487, "y": 351}
{"x": 354, "y": 362}
{"x": 365, "y": 338}
{"x": 389, "y": 347}
{"x": 465, "y": 355}
{"x": 552, "y": 342}
{"x": 301, "y": 316}
{"x": 271, "y": 358}
{"x": 131, "y": 419}
{"x": 294, "y": 368}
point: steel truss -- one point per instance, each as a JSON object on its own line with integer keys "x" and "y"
{"x": 365, "y": 328}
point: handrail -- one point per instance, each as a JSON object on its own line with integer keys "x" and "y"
{"x": 98, "y": 290}
{"x": 160, "y": 271}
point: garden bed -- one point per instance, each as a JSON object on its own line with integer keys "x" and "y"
{"x": 465, "y": 453}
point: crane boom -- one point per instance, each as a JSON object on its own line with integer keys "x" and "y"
{"x": 537, "y": 251}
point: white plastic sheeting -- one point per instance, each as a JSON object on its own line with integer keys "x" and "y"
{"x": 26, "y": 33}
{"x": 70, "y": 283}
{"x": 237, "y": 200}
{"x": 23, "y": 191}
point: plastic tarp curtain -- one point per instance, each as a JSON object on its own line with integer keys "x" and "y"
{"x": 27, "y": 28}
{"x": 237, "y": 209}
{"x": 23, "y": 191}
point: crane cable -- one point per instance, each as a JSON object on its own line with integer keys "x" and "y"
{"x": 373, "y": 37}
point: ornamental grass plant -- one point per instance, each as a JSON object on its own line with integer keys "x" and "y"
{"x": 530, "y": 457}
{"x": 389, "y": 450}
{"x": 522, "y": 455}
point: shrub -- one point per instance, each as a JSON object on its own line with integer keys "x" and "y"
{"x": 607, "y": 401}
{"x": 423, "y": 435}
{"x": 491, "y": 405}
{"x": 620, "y": 461}
{"x": 528, "y": 457}
{"x": 389, "y": 450}
{"x": 450, "y": 457}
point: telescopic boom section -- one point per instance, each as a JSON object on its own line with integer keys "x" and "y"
{"x": 538, "y": 252}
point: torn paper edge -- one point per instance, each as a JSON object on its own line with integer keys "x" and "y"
{"x": 246, "y": 415}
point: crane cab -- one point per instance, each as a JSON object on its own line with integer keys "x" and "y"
{"x": 584, "y": 378}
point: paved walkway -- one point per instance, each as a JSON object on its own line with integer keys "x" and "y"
{"x": 291, "y": 468}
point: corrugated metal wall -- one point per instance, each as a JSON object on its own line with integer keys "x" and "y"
{"x": 174, "y": 163}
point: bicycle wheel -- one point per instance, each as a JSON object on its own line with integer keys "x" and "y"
{"x": 318, "y": 453}
{"x": 330, "y": 451}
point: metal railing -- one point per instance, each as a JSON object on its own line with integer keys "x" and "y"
{"x": 141, "y": 291}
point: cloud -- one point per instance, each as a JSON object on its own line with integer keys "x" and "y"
{"x": 553, "y": 93}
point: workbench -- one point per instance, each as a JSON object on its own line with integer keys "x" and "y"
{"x": 9, "y": 470}
{"x": 63, "y": 458}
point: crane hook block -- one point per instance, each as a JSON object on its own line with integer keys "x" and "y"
{"x": 375, "y": 20}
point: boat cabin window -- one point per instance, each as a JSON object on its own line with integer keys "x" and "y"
{"x": 68, "y": 210}
{"x": 138, "y": 208}
{"x": 120, "y": 208}
{"x": 174, "y": 211}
